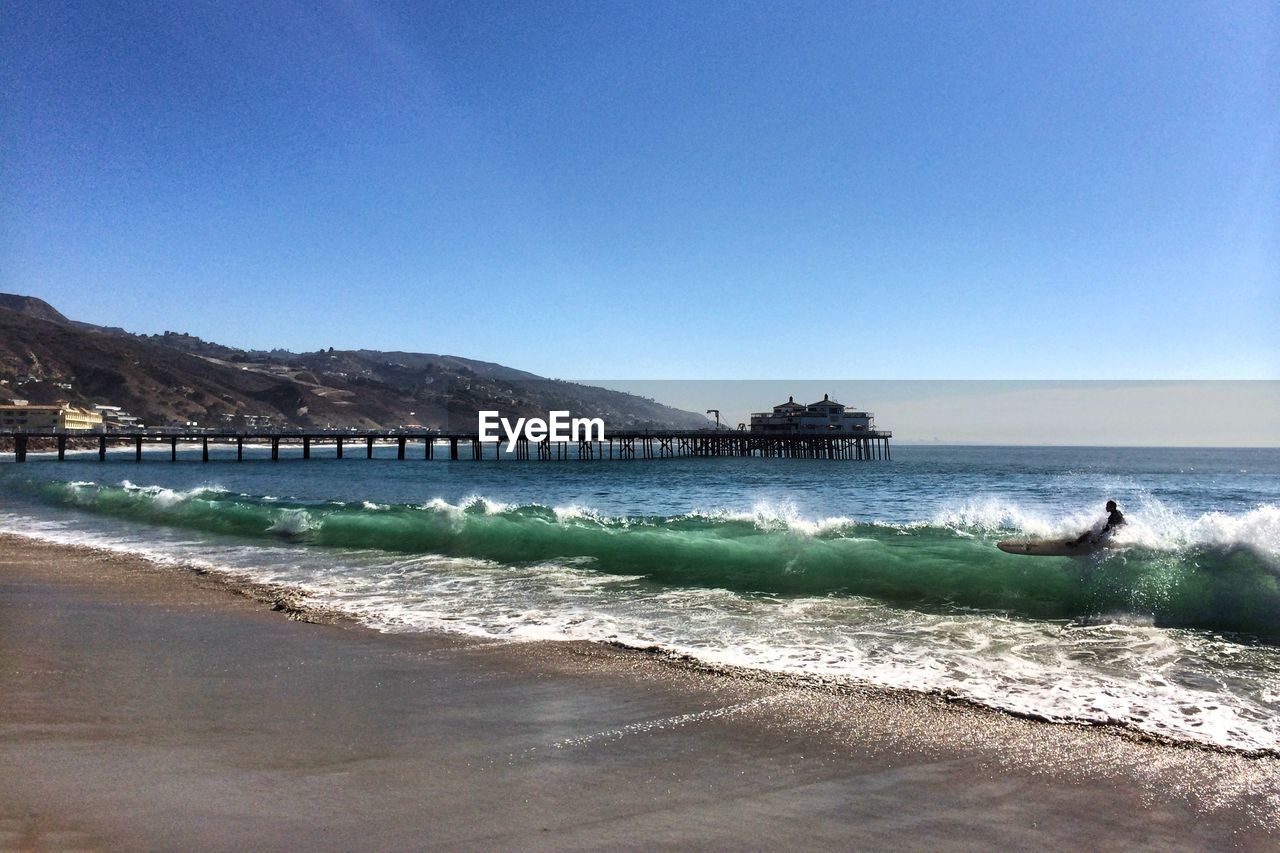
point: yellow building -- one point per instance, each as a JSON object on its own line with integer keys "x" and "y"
{"x": 63, "y": 416}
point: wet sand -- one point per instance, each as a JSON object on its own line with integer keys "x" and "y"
{"x": 149, "y": 707}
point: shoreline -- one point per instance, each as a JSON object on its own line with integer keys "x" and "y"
{"x": 299, "y": 604}
{"x": 733, "y": 726}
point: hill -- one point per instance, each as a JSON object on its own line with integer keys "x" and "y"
{"x": 174, "y": 378}
{"x": 30, "y": 306}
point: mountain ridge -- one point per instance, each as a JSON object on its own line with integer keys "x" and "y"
{"x": 177, "y": 378}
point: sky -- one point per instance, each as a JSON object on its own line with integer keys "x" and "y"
{"x": 713, "y": 190}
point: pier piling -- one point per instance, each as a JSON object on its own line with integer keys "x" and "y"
{"x": 861, "y": 446}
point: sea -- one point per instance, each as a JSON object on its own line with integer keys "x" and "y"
{"x": 882, "y": 574}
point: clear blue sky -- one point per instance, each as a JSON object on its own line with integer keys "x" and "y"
{"x": 713, "y": 190}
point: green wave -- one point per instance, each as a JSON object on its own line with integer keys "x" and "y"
{"x": 1232, "y": 588}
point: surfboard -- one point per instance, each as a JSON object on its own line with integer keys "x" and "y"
{"x": 1049, "y": 547}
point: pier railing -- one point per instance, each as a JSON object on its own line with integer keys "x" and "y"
{"x": 627, "y": 444}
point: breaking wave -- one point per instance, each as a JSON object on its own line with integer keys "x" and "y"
{"x": 1217, "y": 572}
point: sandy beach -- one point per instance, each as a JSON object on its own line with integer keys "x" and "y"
{"x": 151, "y": 707}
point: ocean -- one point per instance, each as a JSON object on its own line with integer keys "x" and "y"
{"x": 866, "y": 573}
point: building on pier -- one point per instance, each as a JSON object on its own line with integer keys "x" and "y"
{"x": 823, "y": 417}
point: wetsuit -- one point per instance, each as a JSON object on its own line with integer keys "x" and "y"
{"x": 1114, "y": 520}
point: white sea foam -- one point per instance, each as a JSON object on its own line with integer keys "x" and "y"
{"x": 292, "y": 522}
{"x": 574, "y": 512}
{"x": 166, "y": 497}
{"x": 474, "y": 503}
{"x": 777, "y": 516}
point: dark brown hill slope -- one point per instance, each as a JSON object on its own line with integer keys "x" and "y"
{"x": 32, "y": 307}
{"x": 174, "y": 378}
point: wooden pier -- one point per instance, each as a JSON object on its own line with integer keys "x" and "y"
{"x": 861, "y": 446}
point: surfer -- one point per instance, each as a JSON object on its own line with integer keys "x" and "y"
{"x": 1089, "y": 542}
{"x": 1115, "y": 519}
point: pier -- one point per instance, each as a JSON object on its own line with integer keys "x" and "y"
{"x": 861, "y": 446}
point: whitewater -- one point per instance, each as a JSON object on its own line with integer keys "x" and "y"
{"x": 883, "y": 575}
